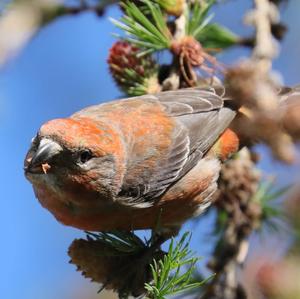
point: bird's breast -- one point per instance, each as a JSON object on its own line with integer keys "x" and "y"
{"x": 185, "y": 199}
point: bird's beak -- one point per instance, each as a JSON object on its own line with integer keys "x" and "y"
{"x": 37, "y": 162}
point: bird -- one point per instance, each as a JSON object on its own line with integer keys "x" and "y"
{"x": 136, "y": 163}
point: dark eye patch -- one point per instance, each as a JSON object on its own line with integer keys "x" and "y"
{"x": 85, "y": 155}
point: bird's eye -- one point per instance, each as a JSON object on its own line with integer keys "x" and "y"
{"x": 85, "y": 156}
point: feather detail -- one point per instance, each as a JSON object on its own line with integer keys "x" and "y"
{"x": 226, "y": 145}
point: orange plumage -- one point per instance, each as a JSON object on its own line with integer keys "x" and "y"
{"x": 134, "y": 163}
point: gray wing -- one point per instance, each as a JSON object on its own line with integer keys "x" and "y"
{"x": 201, "y": 118}
{"x": 204, "y": 123}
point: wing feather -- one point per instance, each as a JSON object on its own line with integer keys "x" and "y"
{"x": 200, "y": 119}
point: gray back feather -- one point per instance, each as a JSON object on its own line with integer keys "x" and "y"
{"x": 201, "y": 118}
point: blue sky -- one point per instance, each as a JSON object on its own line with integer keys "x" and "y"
{"x": 60, "y": 71}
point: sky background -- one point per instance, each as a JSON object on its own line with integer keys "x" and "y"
{"x": 62, "y": 70}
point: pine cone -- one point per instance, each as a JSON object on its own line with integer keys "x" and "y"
{"x": 190, "y": 48}
{"x": 125, "y": 273}
{"x": 191, "y": 55}
{"x": 238, "y": 182}
{"x": 134, "y": 75}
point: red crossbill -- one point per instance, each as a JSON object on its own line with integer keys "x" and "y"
{"x": 131, "y": 163}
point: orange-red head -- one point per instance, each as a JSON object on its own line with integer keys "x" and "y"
{"x": 74, "y": 161}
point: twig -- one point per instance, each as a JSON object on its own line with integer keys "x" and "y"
{"x": 265, "y": 14}
{"x": 253, "y": 85}
{"x": 265, "y": 50}
{"x": 236, "y": 201}
{"x": 180, "y": 24}
{"x": 173, "y": 80}
{"x": 230, "y": 256}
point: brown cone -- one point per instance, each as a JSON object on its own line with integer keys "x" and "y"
{"x": 191, "y": 48}
{"x": 238, "y": 181}
{"x": 123, "y": 59}
{"x": 121, "y": 272}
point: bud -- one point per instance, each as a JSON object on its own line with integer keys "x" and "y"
{"x": 192, "y": 55}
{"x": 190, "y": 48}
{"x": 133, "y": 74}
{"x": 173, "y": 7}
